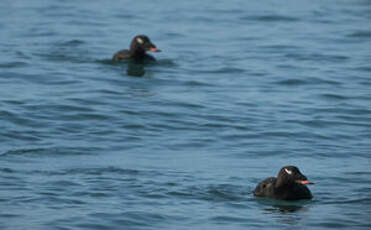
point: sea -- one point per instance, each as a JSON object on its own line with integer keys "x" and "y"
{"x": 240, "y": 89}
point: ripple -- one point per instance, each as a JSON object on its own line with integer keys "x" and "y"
{"x": 271, "y": 18}
{"x": 307, "y": 81}
{"x": 63, "y": 56}
{"x": 24, "y": 151}
{"x": 362, "y": 201}
{"x": 194, "y": 83}
{"x": 317, "y": 57}
{"x": 128, "y": 218}
{"x": 230, "y": 219}
{"x": 92, "y": 171}
{"x": 71, "y": 43}
{"x": 13, "y": 65}
{"x": 124, "y": 15}
{"x": 334, "y": 96}
{"x": 109, "y": 62}
{"x": 165, "y": 63}
{"x": 361, "y": 34}
{"x": 6, "y": 170}
{"x": 363, "y": 68}
{"x": 59, "y": 108}
{"x": 229, "y": 70}
{"x": 292, "y": 82}
{"x": 222, "y": 192}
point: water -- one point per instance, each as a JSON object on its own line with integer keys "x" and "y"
{"x": 241, "y": 89}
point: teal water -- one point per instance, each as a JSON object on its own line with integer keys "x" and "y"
{"x": 241, "y": 89}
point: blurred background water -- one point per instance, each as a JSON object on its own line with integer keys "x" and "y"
{"x": 241, "y": 89}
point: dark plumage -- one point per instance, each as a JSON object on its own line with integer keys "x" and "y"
{"x": 138, "y": 48}
{"x": 290, "y": 184}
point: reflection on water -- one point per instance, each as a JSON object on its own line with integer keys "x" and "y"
{"x": 285, "y": 212}
{"x": 135, "y": 69}
{"x": 281, "y": 206}
{"x": 285, "y": 208}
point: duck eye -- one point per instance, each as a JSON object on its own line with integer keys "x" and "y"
{"x": 288, "y": 171}
{"x": 140, "y": 41}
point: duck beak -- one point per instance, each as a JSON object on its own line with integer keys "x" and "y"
{"x": 305, "y": 182}
{"x": 154, "y": 49}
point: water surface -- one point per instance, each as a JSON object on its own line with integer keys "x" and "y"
{"x": 240, "y": 90}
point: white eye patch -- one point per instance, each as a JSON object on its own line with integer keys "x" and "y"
{"x": 140, "y": 41}
{"x": 288, "y": 171}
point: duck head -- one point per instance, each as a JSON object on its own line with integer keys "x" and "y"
{"x": 141, "y": 44}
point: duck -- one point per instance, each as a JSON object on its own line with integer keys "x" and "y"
{"x": 290, "y": 184}
{"x": 139, "y": 45}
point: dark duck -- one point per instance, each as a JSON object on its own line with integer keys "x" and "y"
{"x": 290, "y": 184}
{"x": 138, "y": 48}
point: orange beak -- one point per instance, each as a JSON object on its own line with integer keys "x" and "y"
{"x": 153, "y": 49}
{"x": 306, "y": 182}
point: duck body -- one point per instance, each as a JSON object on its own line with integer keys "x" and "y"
{"x": 126, "y": 55}
{"x": 290, "y": 184}
{"x": 137, "y": 52}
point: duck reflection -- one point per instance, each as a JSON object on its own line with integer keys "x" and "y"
{"x": 283, "y": 206}
{"x": 135, "y": 68}
{"x": 284, "y": 211}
